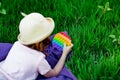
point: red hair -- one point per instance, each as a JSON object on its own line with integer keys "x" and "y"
{"x": 41, "y": 46}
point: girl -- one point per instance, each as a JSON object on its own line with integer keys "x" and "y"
{"x": 26, "y": 58}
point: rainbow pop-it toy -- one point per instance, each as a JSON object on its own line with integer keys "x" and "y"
{"x": 59, "y": 40}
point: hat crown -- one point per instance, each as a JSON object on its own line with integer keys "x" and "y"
{"x": 33, "y": 26}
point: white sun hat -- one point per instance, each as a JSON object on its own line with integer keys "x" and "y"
{"x": 34, "y": 28}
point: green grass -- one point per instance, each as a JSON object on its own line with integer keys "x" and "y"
{"x": 95, "y": 56}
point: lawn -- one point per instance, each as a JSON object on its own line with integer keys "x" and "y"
{"x": 94, "y": 26}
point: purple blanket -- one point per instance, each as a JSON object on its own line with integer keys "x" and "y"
{"x": 52, "y": 58}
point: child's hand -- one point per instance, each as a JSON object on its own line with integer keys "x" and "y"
{"x": 67, "y": 49}
{"x": 59, "y": 66}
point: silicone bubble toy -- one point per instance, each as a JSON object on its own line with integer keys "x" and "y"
{"x": 59, "y": 40}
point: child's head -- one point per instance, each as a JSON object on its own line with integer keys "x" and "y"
{"x": 34, "y": 28}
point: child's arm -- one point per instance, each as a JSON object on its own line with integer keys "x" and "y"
{"x": 56, "y": 70}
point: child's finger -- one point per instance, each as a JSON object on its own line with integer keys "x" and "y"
{"x": 71, "y": 45}
{"x": 64, "y": 45}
